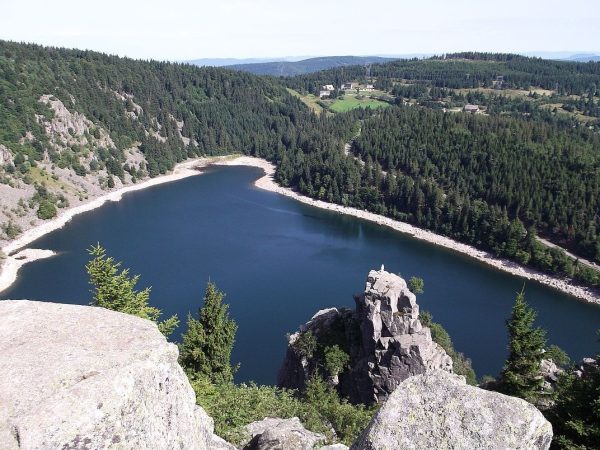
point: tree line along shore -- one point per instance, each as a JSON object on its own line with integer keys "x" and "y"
{"x": 15, "y": 259}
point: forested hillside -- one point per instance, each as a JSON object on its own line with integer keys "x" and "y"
{"x": 74, "y": 121}
{"x": 490, "y": 182}
{"x": 138, "y": 101}
{"x": 471, "y": 176}
{"x": 467, "y": 70}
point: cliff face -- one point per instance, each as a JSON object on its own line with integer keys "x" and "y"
{"x": 85, "y": 377}
{"x": 384, "y": 338}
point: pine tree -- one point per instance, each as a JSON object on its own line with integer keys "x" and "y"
{"x": 114, "y": 289}
{"x": 208, "y": 341}
{"x": 575, "y": 416}
{"x": 521, "y": 373}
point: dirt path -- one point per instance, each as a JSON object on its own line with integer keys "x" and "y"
{"x": 583, "y": 261}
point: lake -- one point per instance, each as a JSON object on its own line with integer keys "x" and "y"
{"x": 280, "y": 261}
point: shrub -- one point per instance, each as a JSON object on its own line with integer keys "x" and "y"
{"x": 234, "y": 406}
{"x": 461, "y": 364}
{"x": 11, "y": 229}
{"x": 557, "y": 355}
{"x": 336, "y": 360}
{"x": 46, "y": 210}
{"x": 305, "y": 345}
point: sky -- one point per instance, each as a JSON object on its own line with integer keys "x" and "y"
{"x": 188, "y": 29}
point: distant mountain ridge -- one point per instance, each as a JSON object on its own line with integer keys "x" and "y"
{"x": 292, "y": 68}
{"x": 584, "y": 57}
{"x": 222, "y": 62}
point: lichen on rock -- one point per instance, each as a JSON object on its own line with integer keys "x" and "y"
{"x": 439, "y": 410}
{"x": 86, "y": 377}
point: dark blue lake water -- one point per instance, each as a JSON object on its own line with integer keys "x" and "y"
{"x": 279, "y": 261}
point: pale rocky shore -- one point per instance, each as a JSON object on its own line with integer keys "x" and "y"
{"x": 14, "y": 261}
{"x": 268, "y": 183}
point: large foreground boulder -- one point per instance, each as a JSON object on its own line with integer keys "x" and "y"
{"x": 439, "y": 410}
{"x": 80, "y": 377}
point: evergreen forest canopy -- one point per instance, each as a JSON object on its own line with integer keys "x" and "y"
{"x": 493, "y": 180}
{"x": 222, "y": 111}
{"x": 467, "y": 70}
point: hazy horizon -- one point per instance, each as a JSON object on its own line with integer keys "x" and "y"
{"x": 185, "y": 30}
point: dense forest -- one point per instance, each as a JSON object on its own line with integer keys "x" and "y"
{"x": 466, "y": 70}
{"x": 493, "y": 181}
{"x": 222, "y": 111}
{"x": 468, "y": 167}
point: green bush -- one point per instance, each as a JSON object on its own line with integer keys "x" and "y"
{"x": 558, "y": 356}
{"x": 234, "y": 406}
{"x": 575, "y": 416}
{"x": 11, "y": 229}
{"x": 46, "y": 210}
{"x": 305, "y": 345}
{"x": 336, "y": 360}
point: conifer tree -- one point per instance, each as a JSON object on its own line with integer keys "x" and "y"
{"x": 208, "y": 341}
{"x": 575, "y": 416}
{"x": 115, "y": 289}
{"x": 521, "y": 373}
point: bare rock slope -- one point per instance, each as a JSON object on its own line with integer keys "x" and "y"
{"x": 85, "y": 377}
{"x": 439, "y": 410}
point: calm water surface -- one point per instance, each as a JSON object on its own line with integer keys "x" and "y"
{"x": 279, "y": 261}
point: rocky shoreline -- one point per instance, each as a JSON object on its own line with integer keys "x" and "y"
{"x": 14, "y": 261}
{"x": 267, "y": 182}
{"x": 16, "y": 258}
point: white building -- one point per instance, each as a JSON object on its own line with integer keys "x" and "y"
{"x": 327, "y": 87}
{"x": 324, "y": 94}
{"x": 471, "y": 109}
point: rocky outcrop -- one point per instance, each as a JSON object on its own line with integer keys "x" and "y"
{"x": 394, "y": 344}
{"x": 587, "y": 366}
{"x": 68, "y": 128}
{"x": 384, "y": 338}
{"x": 83, "y": 377}
{"x": 281, "y": 434}
{"x": 297, "y": 366}
{"x": 5, "y": 155}
{"x": 439, "y": 410}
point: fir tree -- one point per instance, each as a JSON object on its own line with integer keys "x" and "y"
{"x": 575, "y": 416}
{"x": 208, "y": 341}
{"x": 521, "y": 373}
{"x": 115, "y": 289}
